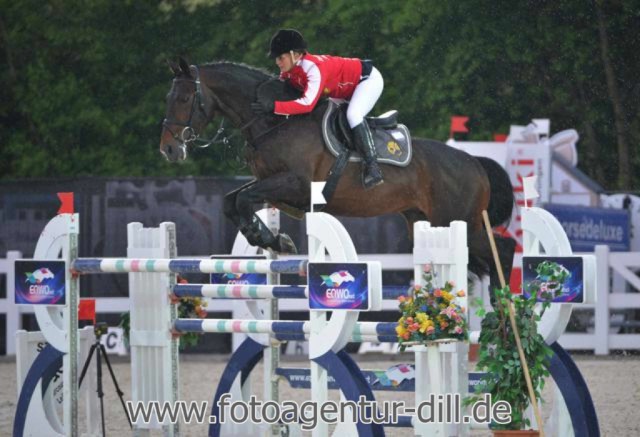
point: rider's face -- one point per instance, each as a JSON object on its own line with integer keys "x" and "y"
{"x": 285, "y": 62}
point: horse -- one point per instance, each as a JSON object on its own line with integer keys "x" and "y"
{"x": 286, "y": 154}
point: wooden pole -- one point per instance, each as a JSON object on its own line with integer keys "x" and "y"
{"x": 514, "y": 326}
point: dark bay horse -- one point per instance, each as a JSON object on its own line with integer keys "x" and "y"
{"x": 285, "y": 155}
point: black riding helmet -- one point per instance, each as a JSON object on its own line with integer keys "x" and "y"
{"x": 284, "y": 41}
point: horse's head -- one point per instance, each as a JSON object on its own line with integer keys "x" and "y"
{"x": 189, "y": 109}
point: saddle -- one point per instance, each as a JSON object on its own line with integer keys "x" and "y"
{"x": 392, "y": 140}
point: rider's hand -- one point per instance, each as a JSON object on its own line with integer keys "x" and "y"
{"x": 263, "y": 107}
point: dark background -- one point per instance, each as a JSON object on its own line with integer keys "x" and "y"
{"x": 83, "y": 84}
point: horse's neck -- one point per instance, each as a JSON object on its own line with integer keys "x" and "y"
{"x": 234, "y": 94}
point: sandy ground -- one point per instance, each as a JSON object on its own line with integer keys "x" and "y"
{"x": 614, "y": 383}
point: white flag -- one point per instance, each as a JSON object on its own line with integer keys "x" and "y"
{"x": 316, "y": 193}
{"x": 529, "y": 187}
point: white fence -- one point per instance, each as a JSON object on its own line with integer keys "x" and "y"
{"x": 7, "y": 305}
{"x": 618, "y": 289}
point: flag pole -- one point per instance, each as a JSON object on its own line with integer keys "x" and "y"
{"x": 514, "y": 326}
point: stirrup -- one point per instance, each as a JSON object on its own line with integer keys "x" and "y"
{"x": 374, "y": 180}
{"x": 373, "y": 183}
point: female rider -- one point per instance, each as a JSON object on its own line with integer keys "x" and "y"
{"x": 355, "y": 80}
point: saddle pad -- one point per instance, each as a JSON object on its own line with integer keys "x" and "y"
{"x": 393, "y": 145}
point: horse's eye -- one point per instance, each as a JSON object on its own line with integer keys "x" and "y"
{"x": 185, "y": 99}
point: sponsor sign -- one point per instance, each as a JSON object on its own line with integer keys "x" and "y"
{"x": 398, "y": 378}
{"x": 587, "y": 227}
{"x": 40, "y": 282}
{"x": 537, "y": 277}
{"x": 338, "y": 286}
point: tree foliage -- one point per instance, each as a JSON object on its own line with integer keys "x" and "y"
{"x": 84, "y": 82}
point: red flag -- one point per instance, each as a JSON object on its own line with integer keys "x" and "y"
{"x": 87, "y": 310}
{"x": 66, "y": 203}
{"x": 515, "y": 280}
{"x": 500, "y": 138}
{"x": 458, "y": 124}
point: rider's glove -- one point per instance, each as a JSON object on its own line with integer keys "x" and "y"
{"x": 263, "y": 107}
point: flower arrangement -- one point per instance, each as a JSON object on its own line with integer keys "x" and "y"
{"x": 188, "y": 308}
{"x": 430, "y": 313}
{"x": 191, "y": 308}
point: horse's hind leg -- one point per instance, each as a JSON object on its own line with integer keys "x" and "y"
{"x": 282, "y": 187}
{"x": 412, "y": 216}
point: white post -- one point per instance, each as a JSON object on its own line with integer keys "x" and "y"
{"x": 602, "y": 322}
{"x": 441, "y": 369}
{"x": 272, "y": 353}
{"x": 327, "y": 236}
{"x": 70, "y": 317}
{"x": 318, "y": 320}
{"x": 154, "y": 354}
{"x": 13, "y": 310}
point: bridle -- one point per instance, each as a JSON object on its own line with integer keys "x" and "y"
{"x": 188, "y": 134}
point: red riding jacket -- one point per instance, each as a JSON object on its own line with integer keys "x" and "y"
{"x": 320, "y": 75}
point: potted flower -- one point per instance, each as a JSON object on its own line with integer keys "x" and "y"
{"x": 505, "y": 379}
{"x": 431, "y": 314}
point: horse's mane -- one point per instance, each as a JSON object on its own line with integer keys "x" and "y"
{"x": 270, "y": 86}
{"x": 238, "y": 68}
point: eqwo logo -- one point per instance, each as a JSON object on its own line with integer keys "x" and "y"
{"x": 336, "y": 279}
{"x": 235, "y": 279}
{"x": 39, "y": 275}
{"x": 36, "y": 281}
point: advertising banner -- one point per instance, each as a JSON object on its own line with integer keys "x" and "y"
{"x": 587, "y": 227}
{"x": 559, "y": 275}
{"x": 338, "y": 286}
{"x": 40, "y": 282}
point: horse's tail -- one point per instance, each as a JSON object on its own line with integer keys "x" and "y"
{"x": 502, "y": 199}
{"x": 500, "y": 208}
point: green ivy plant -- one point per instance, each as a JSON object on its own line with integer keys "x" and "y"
{"x": 498, "y": 355}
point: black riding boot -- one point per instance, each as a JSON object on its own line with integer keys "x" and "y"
{"x": 371, "y": 173}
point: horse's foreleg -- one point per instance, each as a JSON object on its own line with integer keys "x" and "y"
{"x": 248, "y": 223}
{"x": 282, "y": 187}
{"x": 229, "y": 205}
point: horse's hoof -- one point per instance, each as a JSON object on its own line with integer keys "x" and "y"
{"x": 286, "y": 245}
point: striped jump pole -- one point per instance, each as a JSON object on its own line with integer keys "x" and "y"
{"x": 244, "y": 291}
{"x": 128, "y": 265}
{"x": 284, "y": 330}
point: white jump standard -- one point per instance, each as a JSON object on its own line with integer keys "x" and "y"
{"x": 152, "y": 268}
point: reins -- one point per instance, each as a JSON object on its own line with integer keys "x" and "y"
{"x": 188, "y": 136}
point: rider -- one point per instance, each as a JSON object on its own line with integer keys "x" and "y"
{"x": 330, "y": 76}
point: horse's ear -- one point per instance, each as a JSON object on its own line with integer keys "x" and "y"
{"x": 184, "y": 66}
{"x": 173, "y": 66}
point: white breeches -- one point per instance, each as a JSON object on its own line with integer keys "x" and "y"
{"x": 364, "y": 98}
